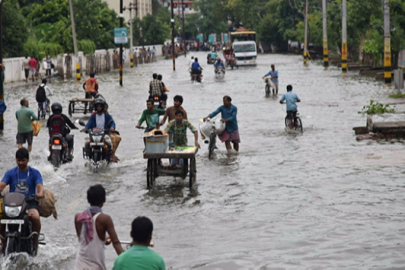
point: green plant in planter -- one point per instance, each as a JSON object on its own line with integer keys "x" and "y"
{"x": 377, "y": 108}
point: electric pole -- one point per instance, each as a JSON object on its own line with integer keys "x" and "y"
{"x": 72, "y": 20}
{"x": 306, "y": 33}
{"x": 121, "y": 25}
{"x": 387, "y": 43}
{"x": 325, "y": 35}
{"x": 344, "y": 37}
{"x": 173, "y": 47}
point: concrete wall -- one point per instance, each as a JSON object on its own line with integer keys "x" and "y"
{"x": 14, "y": 71}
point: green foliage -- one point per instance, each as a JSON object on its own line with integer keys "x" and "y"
{"x": 397, "y": 96}
{"x": 14, "y": 29}
{"x": 39, "y": 49}
{"x": 86, "y": 46}
{"x": 377, "y": 108}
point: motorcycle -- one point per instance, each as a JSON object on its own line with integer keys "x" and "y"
{"x": 18, "y": 228}
{"x": 157, "y": 102}
{"x": 230, "y": 61}
{"x": 269, "y": 85}
{"x": 58, "y": 149}
{"x": 96, "y": 149}
{"x": 196, "y": 77}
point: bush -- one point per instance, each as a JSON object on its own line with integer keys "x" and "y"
{"x": 377, "y": 108}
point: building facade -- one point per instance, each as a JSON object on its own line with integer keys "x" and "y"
{"x": 144, "y": 7}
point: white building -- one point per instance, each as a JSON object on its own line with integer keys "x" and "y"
{"x": 144, "y": 7}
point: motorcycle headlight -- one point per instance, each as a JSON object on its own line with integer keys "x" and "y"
{"x": 96, "y": 138}
{"x": 13, "y": 211}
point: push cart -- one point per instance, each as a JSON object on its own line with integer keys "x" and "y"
{"x": 186, "y": 153}
{"x": 80, "y": 105}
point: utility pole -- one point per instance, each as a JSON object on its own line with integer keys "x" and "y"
{"x": 173, "y": 47}
{"x": 121, "y": 25}
{"x": 182, "y": 7}
{"x": 306, "y": 33}
{"x": 387, "y": 43}
{"x": 72, "y": 20}
{"x": 325, "y": 35}
{"x": 344, "y": 37}
{"x": 131, "y": 55}
{"x": 1, "y": 67}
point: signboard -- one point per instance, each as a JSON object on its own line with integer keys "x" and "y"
{"x": 212, "y": 38}
{"x": 225, "y": 37}
{"x": 120, "y": 35}
{"x": 200, "y": 38}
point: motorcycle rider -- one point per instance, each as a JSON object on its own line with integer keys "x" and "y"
{"x": 57, "y": 124}
{"x": 25, "y": 176}
{"x": 102, "y": 120}
{"x": 196, "y": 69}
{"x": 218, "y": 64}
{"x": 163, "y": 97}
{"x": 156, "y": 88}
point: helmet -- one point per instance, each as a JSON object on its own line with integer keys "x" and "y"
{"x": 56, "y": 108}
{"x": 218, "y": 59}
{"x": 99, "y": 101}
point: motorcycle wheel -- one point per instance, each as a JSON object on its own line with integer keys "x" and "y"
{"x": 95, "y": 159}
{"x": 211, "y": 146}
{"x": 55, "y": 159}
{"x": 11, "y": 246}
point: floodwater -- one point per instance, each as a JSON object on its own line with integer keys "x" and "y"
{"x": 317, "y": 200}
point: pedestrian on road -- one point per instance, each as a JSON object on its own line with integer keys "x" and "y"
{"x": 273, "y": 73}
{"x": 48, "y": 66}
{"x": 26, "y": 68}
{"x": 24, "y": 118}
{"x": 91, "y": 228}
{"x": 139, "y": 256}
{"x": 68, "y": 65}
{"x": 228, "y": 113}
{"x": 33, "y": 67}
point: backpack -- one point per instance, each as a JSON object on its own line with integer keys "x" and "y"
{"x": 41, "y": 94}
{"x": 57, "y": 125}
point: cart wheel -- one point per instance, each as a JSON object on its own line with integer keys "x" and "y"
{"x": 193, "y": 172}
{"x": 70, "y": 109}
{"x": 148, "y": 173}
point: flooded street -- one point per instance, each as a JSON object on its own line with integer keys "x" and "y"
{"x": 314, "y": 200}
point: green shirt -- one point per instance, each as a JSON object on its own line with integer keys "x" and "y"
{"x": 139, "y": 257}
{"x": 152, "y": 118}
{"x": 180, "y": 131}
{"x": 25, "y": 116}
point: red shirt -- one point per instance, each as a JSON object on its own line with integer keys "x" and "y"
{"x": 33, "y": 63}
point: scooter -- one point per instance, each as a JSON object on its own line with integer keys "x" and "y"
{"x": 96, "y": 149}
{"x": 18, "y": 228}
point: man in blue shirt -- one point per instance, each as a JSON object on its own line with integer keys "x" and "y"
{"x": 219, "y": 64}
{"x": 228, "y": 116}
{"x": 290, "y": 99}
{"x": 196, "y": 69}
{"x": 28, "y": 181}
{"x": 273, "y": 73}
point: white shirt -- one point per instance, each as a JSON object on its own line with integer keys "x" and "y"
{"x": 100, "y": 121}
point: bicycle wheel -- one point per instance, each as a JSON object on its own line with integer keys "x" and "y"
{"x": 298, "y": 124}
{"x": 267, "y": 89}
{"x": 211, "y": 146}
{"x": 287, "y": 121}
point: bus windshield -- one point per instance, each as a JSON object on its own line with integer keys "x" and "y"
{"x": 244, "y": 48}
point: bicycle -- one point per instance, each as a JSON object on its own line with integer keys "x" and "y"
{"x": 209, "y": 134}
{"x": 289, "y": 123}
{"x": 42, "y": 110}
